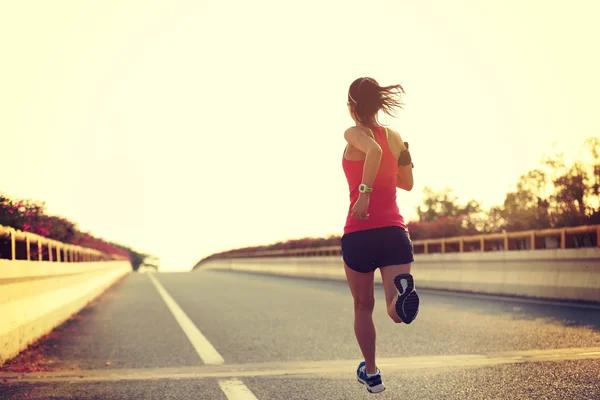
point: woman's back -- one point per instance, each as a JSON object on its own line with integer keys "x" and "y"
{"x": 383, "y": 209}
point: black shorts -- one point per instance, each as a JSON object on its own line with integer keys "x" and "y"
{"x": 365, "y": 251}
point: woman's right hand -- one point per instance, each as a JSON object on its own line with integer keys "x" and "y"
{"x": 360, "y": 208}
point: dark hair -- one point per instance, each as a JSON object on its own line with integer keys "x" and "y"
{"x": 368, "y": 98}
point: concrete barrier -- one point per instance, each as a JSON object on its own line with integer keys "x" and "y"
{"x": 37, "y": 296}
{"x": 560, "y": 274}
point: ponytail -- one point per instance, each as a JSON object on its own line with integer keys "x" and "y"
{"x": 368, "y": 98}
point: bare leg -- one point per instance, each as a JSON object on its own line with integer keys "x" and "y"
{"x": 361, "y": 286}
{"x": 391, "y": 294}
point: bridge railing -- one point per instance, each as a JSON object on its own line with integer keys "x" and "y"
{"x": 559, "y": 238}
{"x": 29, "y": 246}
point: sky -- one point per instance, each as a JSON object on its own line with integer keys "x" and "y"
{"x": 184, "y": 128}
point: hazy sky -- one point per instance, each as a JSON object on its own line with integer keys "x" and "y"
{"x": 183, "y": 128}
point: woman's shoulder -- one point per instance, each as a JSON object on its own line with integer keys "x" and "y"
{"x": 392, "y": 131}
{"x": 396, "y": 142}
{"x": 356, "y": 130}
{"x": 394, "y": 135}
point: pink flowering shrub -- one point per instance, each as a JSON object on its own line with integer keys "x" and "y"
{"x": 30, "y": 216}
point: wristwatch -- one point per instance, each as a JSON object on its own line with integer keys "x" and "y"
{"x": 362, "y": 188}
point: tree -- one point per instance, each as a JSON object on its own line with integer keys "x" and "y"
{"x": 138, "y": 259}
{"x": 576, "y": 195}
{"x": 592, "y": 145}
{"x": 441, "y": 215}
{"x": 554, "y": 195}
{"x": 444, "y": 204}
{"x": 526, "y": 207}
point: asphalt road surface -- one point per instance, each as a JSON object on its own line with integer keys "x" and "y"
{"x": 225, "y": 335}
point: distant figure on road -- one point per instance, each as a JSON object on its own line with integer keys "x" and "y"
{"x": 376, "y": 161}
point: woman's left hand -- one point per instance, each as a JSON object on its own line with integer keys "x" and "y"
{"x": 360, "y": 208}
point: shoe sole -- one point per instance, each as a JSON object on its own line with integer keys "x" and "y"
{"x": 407, "y": 305}
{"x": 376, "y": 389}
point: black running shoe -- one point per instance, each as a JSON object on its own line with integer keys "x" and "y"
{"x": 407, "y": 305}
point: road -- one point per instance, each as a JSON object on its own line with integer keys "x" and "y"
{"x": 223, "y": 335}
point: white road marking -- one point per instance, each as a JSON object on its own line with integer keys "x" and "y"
{"x": 307, "y": 368}
{"x": 205, "y": 350}
{"x": 235, "y": 389}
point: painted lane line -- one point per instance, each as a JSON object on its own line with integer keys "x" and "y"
{"x": 205, "y": 350}
{"x": 310, "y": 368}
{"x": 235, "y": 389}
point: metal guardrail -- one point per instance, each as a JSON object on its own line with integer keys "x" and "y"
{"x": 523, "y": 240}
{"x": 56, "y": 251}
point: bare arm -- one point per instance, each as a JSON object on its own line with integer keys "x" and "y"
{"x": 357, "y": 138}
{"x": 404, "y": 178}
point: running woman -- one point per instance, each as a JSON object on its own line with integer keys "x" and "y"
{"x": 376, "y": 161}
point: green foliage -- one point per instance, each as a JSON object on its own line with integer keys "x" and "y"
{"x": 552, "y": 196}
{"x": 441, "y": 215}
{"x": 444, "y": 204}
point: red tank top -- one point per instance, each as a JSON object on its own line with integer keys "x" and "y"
{"x": 383, "y": 210}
